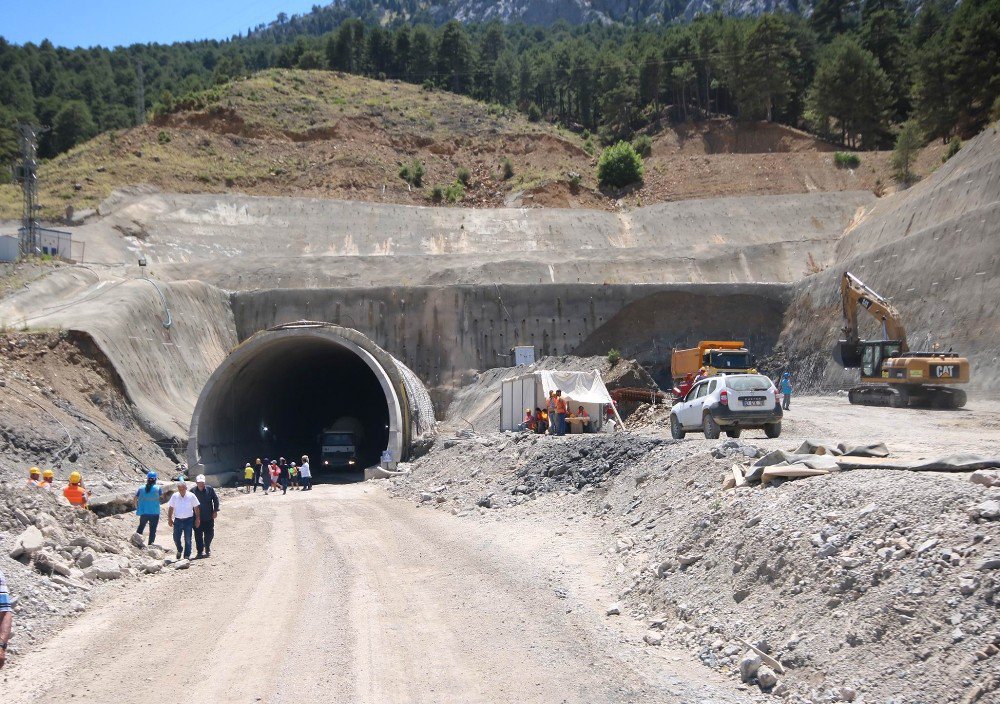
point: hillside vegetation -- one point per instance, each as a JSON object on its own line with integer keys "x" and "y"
{"x": 325, "y": 134}
{"x": 853, "y": 72}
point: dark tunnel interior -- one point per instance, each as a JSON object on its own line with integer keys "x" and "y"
{"x": 284, "y": 397}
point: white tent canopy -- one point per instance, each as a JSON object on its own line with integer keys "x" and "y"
{"x": 584, "y": 387}
{"x": 530, "y": 390}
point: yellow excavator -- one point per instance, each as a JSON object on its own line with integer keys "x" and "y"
{"x": 892, "y": 375}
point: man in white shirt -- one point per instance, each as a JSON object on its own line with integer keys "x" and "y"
{"x": 184, "y": 515}
{"x": 306, "y": 474}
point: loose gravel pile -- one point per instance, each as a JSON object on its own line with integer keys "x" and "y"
{"x": 869, "y": 585}
{"x": 55, "y": 557}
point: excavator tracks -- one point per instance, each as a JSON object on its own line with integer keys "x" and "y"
{"x": 904, "y": 397}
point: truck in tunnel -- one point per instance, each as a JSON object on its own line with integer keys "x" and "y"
{"x": 342, "y": 444}
{"x": 280, "y": 391}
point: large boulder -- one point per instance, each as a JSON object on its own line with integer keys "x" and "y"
{"x": 48, "y": 563}
{"x": 28, "y": 543}
{"x": 104, "y": 568}
{"x": 113, "y": 504}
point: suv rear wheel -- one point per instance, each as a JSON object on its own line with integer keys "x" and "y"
{"x": 676, "y": 431}
{"x": 772, "y": 430}
{"x": 711, "y": 428}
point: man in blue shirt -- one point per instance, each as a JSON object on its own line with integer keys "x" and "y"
{"x": 6, "y": 619}
{"x": 786, "y": 391}
{"x": 147, "y": 500}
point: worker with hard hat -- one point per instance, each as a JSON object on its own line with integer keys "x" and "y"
{"x": 147, "y": 506}
{"x": 34, "y": 476}
{"x": 248, "y": 481}
{"x": 75, "y": 492}
{"x": 48, "y": 476}
{"x": 183, "y": 515}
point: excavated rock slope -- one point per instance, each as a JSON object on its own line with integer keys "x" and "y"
{"x": 934, "y": 251}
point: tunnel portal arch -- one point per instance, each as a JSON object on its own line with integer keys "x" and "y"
{"x": 275, "y": 393}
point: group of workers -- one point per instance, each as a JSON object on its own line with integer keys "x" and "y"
{"x": 554, "y": 419}
{"x": 189, "y": 512}
{"x": 74, "y": 492}
{"x": 277, "y": 475}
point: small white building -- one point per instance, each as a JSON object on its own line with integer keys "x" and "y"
{"x": 9, "y": 248}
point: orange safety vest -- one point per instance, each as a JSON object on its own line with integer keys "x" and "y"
{"x": 560, "y": 405}
{"x": 76, "y": 495}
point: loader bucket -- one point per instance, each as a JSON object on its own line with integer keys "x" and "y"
{"x": 847, "y": 354}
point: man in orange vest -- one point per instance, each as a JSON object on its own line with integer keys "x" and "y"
{"x": 562, "y": 410}
{"x": 47, "y": 477}
{"x": 74, "y": 492}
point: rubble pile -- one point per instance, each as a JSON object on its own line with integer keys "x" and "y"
{"x": 534, "y": 464}
{"x": 867, "y": 585}
{"x": 55, "y": 555}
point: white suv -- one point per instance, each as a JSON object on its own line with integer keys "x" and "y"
{"x": 729, "y": 402}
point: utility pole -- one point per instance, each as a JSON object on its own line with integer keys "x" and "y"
{"x": 26, "y": 173}
{"x": 140, "y": 95}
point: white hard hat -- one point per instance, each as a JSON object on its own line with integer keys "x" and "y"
{"x": 200, "y": 479}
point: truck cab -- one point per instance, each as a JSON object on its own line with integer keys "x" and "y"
{"x": 339, "y": 449}
{"x": 715, "y": 357}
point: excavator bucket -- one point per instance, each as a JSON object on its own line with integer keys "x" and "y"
{"x": 847, "y": 354}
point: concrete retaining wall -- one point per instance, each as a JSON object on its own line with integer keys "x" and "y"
{"x": 447, "y": 335}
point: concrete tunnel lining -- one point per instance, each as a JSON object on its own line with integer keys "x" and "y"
{"x": 286, "y": 368}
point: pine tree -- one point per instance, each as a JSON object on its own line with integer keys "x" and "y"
{"x": 908, "y": 144}
{"x": 974, "y": 65}
{"x": 832, "y": 18}
{"x": 770, "y": 53}
{"x": 850, "y": 94}
{"x": 453, "y": 57}
{"x": 883, "y": 33}
{"x": 421, "y": 65}
{"x": 72, "y": 124}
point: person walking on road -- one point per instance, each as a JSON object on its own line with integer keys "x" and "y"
{"x": 786, "y": 391}
{"x": 247, "y": 478}
{"x": 283, "y": 476}
{"x": 306, "y": 474}
{"x": 6, "y": 619}
{"x": 293, "y": 475}
{"x": 208, "y": 509}
{"x": 147, "y": 506}
{"x": 273, "y": 472}
{"x": 183, "y": 515}
{"x": 257, "y": 475}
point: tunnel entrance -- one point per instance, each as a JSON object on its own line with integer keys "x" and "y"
{"x": 294, "y": 390}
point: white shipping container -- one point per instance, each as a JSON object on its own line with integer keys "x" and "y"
{"x": 515, "y": 395}
{"x": 9, "y": 248}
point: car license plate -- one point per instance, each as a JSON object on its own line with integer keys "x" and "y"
{"x": 752, "y": 400}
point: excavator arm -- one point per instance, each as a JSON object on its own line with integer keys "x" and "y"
{"x": 856, "y": 294}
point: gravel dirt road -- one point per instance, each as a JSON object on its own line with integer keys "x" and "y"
{"x": 346, "y": 594}
{"x": 909, "y": 433}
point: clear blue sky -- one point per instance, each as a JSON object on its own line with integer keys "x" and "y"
{"x": 74, "y": 23}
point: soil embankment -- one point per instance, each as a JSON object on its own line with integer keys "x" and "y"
{"x": 932, "y": 250}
